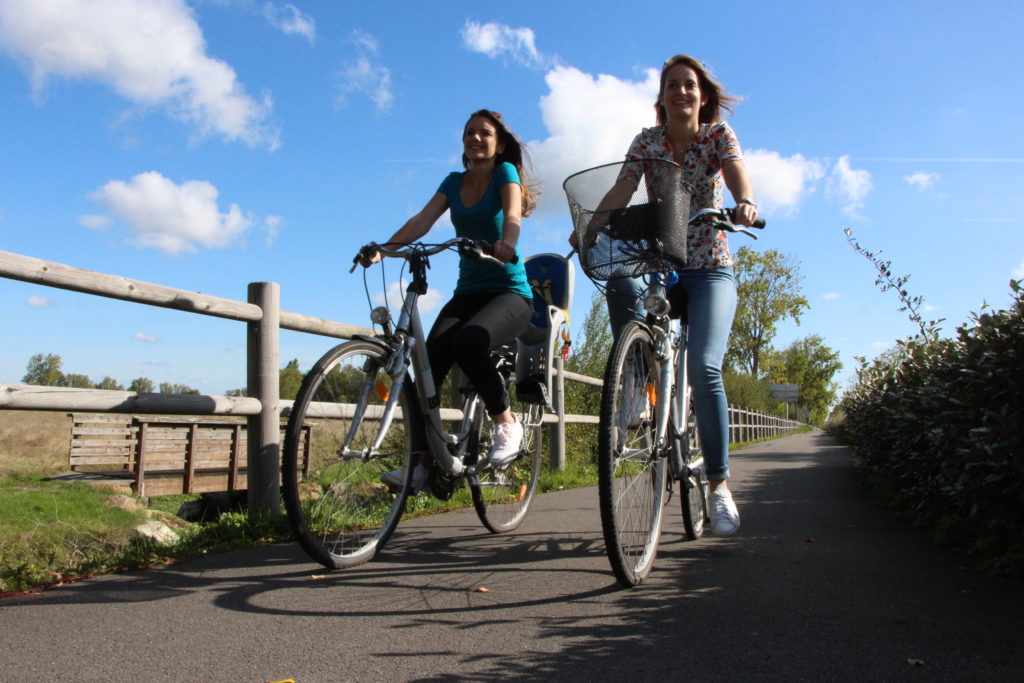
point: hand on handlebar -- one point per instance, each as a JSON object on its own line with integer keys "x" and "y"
{"x": 367, "y": 256}
{"x": 745, "y": 214}
{"x": 503, "y": 251}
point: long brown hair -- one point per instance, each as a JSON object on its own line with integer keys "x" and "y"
{"x": 514, "y": 153}
{"x": 717, "y": 99}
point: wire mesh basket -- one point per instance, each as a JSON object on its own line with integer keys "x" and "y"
{"x": 631, "y": 228}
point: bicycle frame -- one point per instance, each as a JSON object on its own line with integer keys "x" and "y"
{"x": 671, "y": 351}
{"x": 407, "y": 348}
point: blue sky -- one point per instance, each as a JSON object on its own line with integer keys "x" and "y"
{"x": 206, "y": 144}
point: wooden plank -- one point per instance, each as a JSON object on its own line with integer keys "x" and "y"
{"x": 234, "y": 465}
{"x": 140, "y": 461}
{"x": 190, "y": 463}
{"x": 54, "y": 274}
{"x": 98, "y": 460}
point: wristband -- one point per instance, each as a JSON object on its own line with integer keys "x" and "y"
{"x": 744, "y": 200}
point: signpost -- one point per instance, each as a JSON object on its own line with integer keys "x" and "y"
{"x": 783, "y": 392}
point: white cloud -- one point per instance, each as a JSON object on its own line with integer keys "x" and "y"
{"x": 922, "y": 180}
{"x": 848, "y": 186}
{"x": 290, "y": 20}
{"x": 495, "y": 40}
{"x": 143, "y": 337}
{"x": 94, "y": 221}
{"x": 430, "y": 301}
{"x": 590, "y": 120}
{"x": 172, "y": 218}
{"x": 1019, "y": 272}
{"x": 152, "y": 52}
{"x": 36, "y": 301}
{"x": 272, "y": 227}
{"x": 365, "y": 75}
{"x": 831, "y": 296}
{"x": 781, "y": 182}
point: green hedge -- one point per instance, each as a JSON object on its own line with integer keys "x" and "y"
{"x": 936, "y": 425}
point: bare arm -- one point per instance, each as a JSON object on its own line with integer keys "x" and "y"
{"x": 417, "y": 226}
{"x": 512, "y": 207}
{"x": 736, "y": 180}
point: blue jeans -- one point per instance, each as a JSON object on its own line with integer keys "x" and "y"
{"x": 711, "y": 305}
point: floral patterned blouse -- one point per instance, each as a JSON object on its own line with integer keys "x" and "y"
{"x": 714, "y": 144}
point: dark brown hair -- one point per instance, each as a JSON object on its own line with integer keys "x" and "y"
{"x": 712, "y": 90}
{"x": 514, "y": 153}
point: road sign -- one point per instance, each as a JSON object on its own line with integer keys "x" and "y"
{"x": 783, "y": 392}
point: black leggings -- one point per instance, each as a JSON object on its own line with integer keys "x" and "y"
{"x": 466, "y": 330}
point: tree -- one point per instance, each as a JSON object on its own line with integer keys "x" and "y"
{"x": 44, "y": 371}
{"x": 811, "y": 365}
{"x": 110, "y": 384}
{"x": 77, "y": 381}
{"x": 590, "y": 351}
{"x": 768, "y": 285}
{"x": 141, "y": 385}
{"x": 168, "y": 388}
{"x": 291, "y": 380}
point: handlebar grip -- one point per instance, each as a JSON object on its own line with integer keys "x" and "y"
{"x": 759, "y": 223}
{"x": 487, "y": 248}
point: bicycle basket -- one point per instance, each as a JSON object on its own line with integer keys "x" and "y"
{"x": 641, "y": 229}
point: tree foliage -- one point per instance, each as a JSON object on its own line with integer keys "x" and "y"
{"x": 768, "y": 285}
{"x": 44, "y": 371}
{"x": 291, "y": 380}
{"x": 590, "y": 353}
{"x": 811, "y": 365}
{"x": 141, "y": 385}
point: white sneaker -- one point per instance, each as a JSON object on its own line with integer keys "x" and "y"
{"x": 397, "y": 477}
{"x": 725, "y": 518}
{"x": 506, "y": 438}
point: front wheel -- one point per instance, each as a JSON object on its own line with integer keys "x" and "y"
{"x": 693, "y": 488}
{"x": 502, "y": 496}
{"x": 631, "y": 474}
{"x": 340, "y": 510}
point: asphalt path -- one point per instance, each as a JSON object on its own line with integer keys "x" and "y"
{"x": 819, "y": 584}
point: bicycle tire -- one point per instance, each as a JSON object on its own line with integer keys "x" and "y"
{"x": 502, "y": 496}
{"x": 632, "y": 481}
{"x": 693, "y": 489}
{"x": 339, "y": 510}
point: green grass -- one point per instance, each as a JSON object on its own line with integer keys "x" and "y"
{"x": 52, "y": 532}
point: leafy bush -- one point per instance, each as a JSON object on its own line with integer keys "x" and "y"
{"x": 937, "y": 425}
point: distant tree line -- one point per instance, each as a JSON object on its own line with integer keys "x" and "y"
{"x": 46, "y": 370}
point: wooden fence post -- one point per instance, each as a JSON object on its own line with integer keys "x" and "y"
{"x": 264, "y": 430}
{"x": 557, "y": 429}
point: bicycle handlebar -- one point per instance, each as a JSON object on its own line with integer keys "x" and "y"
{"x": 470, "y": 248}
{"x": 723, "y": 220}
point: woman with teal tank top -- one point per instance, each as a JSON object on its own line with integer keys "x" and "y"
{"x": 491, "y": 305}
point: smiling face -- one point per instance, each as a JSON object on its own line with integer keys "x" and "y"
{"x": 480, "y": 140}
{"x": 681, "y": 95}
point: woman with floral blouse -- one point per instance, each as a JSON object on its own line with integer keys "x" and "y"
{"x": 691, "y": 133}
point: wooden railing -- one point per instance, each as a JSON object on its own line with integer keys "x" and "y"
{"x": 262, "y": 406}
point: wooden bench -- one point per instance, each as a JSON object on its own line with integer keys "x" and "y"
{"x": 164, "y": 455}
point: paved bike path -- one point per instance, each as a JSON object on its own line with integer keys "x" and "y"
{"x": 820, "y": 584}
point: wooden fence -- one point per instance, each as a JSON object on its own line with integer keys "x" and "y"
{"x": 263, "y": 407}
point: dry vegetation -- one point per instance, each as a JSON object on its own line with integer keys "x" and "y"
{"x": 33, "y": 442}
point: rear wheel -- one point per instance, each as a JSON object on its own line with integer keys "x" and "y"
{"x": 502, "y": 496}
{"x": 340, "y": 510}
{"x": 631, "y": 475}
